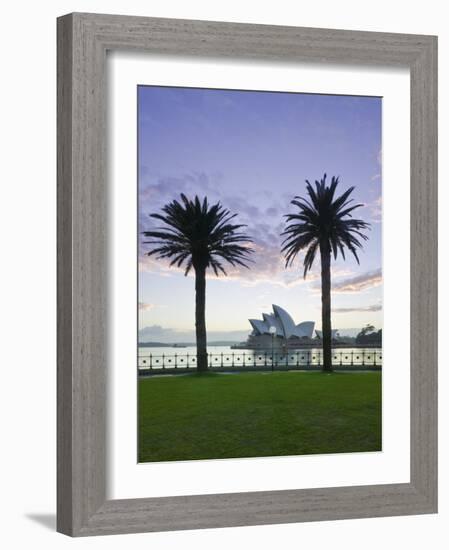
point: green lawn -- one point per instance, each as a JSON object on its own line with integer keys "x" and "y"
{"x": 258, "y": 414}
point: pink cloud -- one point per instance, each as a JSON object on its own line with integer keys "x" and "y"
{"x": 360, "y": 282}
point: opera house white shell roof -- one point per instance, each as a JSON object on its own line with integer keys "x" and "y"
{"x": 284, "y": 324}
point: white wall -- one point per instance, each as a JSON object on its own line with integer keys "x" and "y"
{"x": 27, "y": 386}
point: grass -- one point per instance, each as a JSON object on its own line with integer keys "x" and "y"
{"x": 258, "y": 414}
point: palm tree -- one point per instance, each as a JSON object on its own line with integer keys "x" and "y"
{"x": 199, "y": 236}
{"x": 323, "y": 223}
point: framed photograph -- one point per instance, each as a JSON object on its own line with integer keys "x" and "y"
{"x": 247, "y": 274}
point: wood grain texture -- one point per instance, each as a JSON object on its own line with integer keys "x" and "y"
{"x": 423, "y": 272}
{"x": 64, "y": 278}
{"x": 83, "y": 40}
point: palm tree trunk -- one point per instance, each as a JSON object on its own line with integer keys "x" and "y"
{"x": 200, "y": 319}
{"x": 326, "y": 305}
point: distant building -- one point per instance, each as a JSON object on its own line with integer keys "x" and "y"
{"x": 287, "y": 333}
{"x": 334, "y": 334}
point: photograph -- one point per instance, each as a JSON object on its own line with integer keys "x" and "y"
{"x": 231, "y": 297}
{"x": 259, "y": 246}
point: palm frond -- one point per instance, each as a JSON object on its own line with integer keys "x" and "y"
{"x": 199, "y": 235}
{"x": 322, "y": 220}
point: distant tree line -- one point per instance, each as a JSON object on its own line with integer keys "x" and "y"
{"x": 369, "y": 335}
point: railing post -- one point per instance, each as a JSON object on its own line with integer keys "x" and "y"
{"x": 222, "y": 359}
{"x": 176, "y": 365}
{"x": 187, "y": 359}
{"x": 352, "y": 358}
{"x": 151, "y": 361}
{"x": 232, "y": 355}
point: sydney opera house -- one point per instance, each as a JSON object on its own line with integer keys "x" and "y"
{"x": 281, "y": 325}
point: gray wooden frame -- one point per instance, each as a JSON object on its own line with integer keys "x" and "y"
{"x": 83, "y": 40}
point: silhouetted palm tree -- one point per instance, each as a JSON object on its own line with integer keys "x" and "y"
{"x": 197, "y": 235}
{"x": 323, "y": 223}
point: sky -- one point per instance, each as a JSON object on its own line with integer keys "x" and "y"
{"x": 253, "y": 151}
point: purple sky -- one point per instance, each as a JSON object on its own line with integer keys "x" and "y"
{"x": 252, "y": 151}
